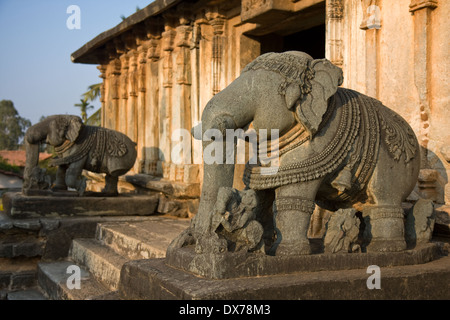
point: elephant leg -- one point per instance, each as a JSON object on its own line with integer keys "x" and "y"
{"x": 60, "y": 182}
{"x": 389, "y": 185}
{"x": 265, "y": 215}
{"x": 74, "y": 179}
{"x": 111, "y": 185}
{"x": 294, "y": 205}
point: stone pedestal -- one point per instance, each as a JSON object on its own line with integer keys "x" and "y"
{"x": 421, "y": 273}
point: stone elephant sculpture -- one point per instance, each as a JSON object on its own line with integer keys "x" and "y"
{"x": 79, "y": 147}
{"x": 336, "y": 147}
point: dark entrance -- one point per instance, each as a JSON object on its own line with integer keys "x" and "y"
{"x": 311, "y": 41}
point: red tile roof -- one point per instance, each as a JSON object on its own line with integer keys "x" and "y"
{"x": 18, "y": 157}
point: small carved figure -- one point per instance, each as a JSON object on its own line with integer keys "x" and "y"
{"x": 233, "y": 220}
{"x": 419, "y": 222}
{"x": 78, "y": 147}
{"x": 342, "y": 232}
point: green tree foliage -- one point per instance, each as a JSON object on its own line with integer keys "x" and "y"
{"x": 84, "y": 107}
{"x": 93, "y": 92}
{"x": 90, "y": 96}
{"x": 12, "y": 126}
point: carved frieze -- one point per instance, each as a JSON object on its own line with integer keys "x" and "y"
{"x": 335, "y": 9}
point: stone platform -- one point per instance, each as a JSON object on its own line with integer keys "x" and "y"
{"x": 236, "y": 265}
{"x": 154, "y": 279}
{"x": 19, "y": 206}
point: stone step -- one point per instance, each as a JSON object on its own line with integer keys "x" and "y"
{"x": 28, "y": 294}
{"x": 52, "y": 279}
{"x": 141, "y": 240}
{"x": 100, "y": 260}
{"x": 18, "y": 273}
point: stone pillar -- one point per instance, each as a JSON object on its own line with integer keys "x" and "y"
{"x": 102, "y": 68}
{"x": 153, "y": 93}
{"x": 181, "y": 108}
{"x": 334, "y": 32}
{"x": 196, "y": 108}
{"x": 129, "y": 40}
{"x": 132, "y": 118}
{"x": 217, "y": 21}
{"x": 421, "y": 9}
{"x": 115, "y": 95}
{"x": 112, "y": 89}
{"x": 165, "y": 105}
{"x": 141, "y": 101}
{"x": 123, "y": 90}
{"x": 371, "y": 24}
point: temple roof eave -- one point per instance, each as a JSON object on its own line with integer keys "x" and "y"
{"x": 90, "y": 53}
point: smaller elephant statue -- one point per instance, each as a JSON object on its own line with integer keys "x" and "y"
{"x": 78, "y": 147}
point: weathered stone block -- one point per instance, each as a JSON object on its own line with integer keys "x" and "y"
{"x": 19, "y": 206}
{"x": 153, "y": 279}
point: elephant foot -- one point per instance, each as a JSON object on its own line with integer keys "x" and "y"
{"x": 291, "y": 249}
{"x": 384, "y": 229}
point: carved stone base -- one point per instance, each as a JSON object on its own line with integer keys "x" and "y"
{"x": 243, "y": 264}
{"x": 154, "y": 279}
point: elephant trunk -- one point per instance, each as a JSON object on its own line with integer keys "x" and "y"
{"x": 32, "y": 160}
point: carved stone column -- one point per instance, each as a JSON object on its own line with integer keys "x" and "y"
{"x": 371, "y": 24}
{"x": 196, "y": 108}
{"x": 141, "y": 101}
{"x": 334, "y": 32}
{"x": 181, "y": 107}
{"x": 113, "y": 76}
{"x": 217, "y": 21}
{"x": 165, "y": 105}
{"x": 102, "y": 68}
{"x": 152, "y": 113}
{"x": 123, "y": 89}
{"x": 421, "y": 9}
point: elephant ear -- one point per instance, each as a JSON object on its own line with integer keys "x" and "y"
{"x": 73, "y": 129}
{"x": 312, "y": 106}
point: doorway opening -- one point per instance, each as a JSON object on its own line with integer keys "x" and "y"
{"x": 311, "y": 41}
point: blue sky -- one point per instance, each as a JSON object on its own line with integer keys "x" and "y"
{"x": 36, "y": 72}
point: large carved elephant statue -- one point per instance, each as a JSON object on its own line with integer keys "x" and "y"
{"x": 336, "y": 147}
{"x": 79, "y": 147}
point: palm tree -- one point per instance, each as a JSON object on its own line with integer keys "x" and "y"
{"x": 93, "y": 92}
{"x": 84, "y": 106}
